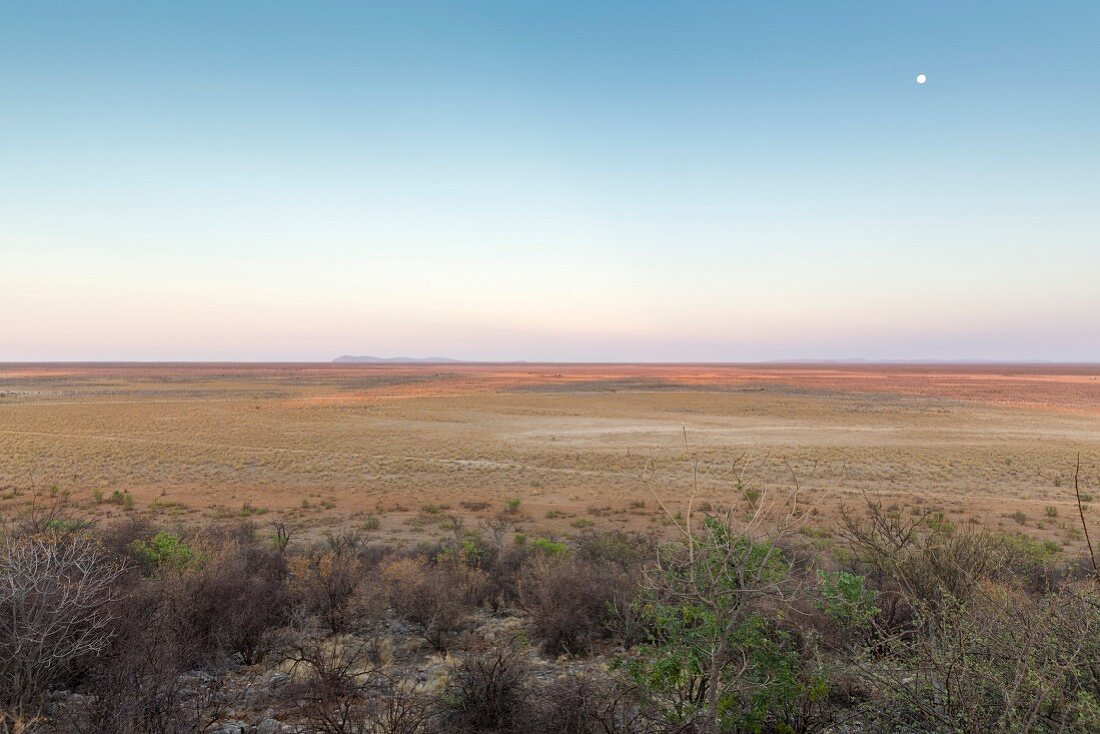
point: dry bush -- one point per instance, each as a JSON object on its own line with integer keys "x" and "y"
{"x": 574, "y": 602}
{"x": 226, "y": 600}
{"x": 918, "y": 563}
{"x": 118, "y": 538}
{"x": 1001, "y": 661}
{"x": 915, "y": 564}
{"x": 137, "y": 685}
{"x": 438, "y": 596}
{"x": 242, "y": 596}
{"x": 323, "y": 583}
{"x": 488, "y": 693}
{"x": 996, "y": 637}
{"x": 346, "y": 693}
{"x": 502, "y": 576}
{"x": 56, "y": 606}
{"x": 587, "y": 703}
{"x": 615, "y": 547}
{"x": 12, "y": 723}
{"x": 54, "y": 516}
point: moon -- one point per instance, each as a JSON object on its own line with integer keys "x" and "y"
{"x": 921, "y": 78}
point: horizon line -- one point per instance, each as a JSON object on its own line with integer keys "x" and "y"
{"x": 427, "y": 362}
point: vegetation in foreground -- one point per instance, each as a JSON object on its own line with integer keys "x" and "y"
{"x": 736, "y": 622}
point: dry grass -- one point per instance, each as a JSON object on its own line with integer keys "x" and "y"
{"x": 397, "y": 449}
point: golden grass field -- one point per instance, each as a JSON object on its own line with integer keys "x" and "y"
{"x": 398, "y": 448}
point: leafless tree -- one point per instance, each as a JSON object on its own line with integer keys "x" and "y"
{"x": 56, "y": 597}
{"x": 53, "y": 515}
{"x": 499, "y": 528}
{"x": 282, "y": 535}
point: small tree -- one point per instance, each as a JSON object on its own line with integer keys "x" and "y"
{"x": 713, "y": 658}
{"x": 56, "y": 594}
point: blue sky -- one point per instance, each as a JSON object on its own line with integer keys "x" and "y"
{"x": 550, "y": 181}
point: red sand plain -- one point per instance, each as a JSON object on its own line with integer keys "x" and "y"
{"x": 1062, "y": 387}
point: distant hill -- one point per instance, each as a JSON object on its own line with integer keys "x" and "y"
{"x": 408, "y": 360}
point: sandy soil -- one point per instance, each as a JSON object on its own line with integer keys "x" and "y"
{"x": 334, "y": 445}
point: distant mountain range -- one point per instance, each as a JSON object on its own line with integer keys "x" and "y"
{"x": 408, "y": 360}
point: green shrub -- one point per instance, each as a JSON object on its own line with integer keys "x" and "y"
{"x": 845, "y": 599}
{"x": 162, "y": 552}
{"x": 64, "y": 525}
{"x": 713, "y": 658}
{"x": 248, "y": 510}
{"x": 547, "y": 547}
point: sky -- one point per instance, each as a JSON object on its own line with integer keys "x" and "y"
{"x": 559, "y": 181}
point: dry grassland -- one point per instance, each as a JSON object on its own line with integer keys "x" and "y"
{"x": 396, "y": 449}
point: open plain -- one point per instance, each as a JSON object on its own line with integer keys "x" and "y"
{"x": 397, "y": 450}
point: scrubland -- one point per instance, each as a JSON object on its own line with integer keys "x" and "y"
{"x": 523, "y": 548}
{"x": 398, "y": 447}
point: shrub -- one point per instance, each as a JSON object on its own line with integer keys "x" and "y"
{"x": 546, "y": 547}
{"x": 846, "y": 600}
{"x": 345, "y": 692}
{"x": 586, "y": 703}
{"x": 615, "y": 547}
{"x": 322, "y": 584}
{"x": 162, "y": 552}
{"x": 244, "y": 598}
{"x": 125, "y": 499}
{"x": 921, "y": 564}
{"x": 998, "y": 661}
{"x": 712, "y": 659}
{"x": 53, "y": 518}
{"x": 438, "y": 596}
{"x": 573, "y": 602}
{"x": 487, "y": 693}
{"x": 138, "y": 685}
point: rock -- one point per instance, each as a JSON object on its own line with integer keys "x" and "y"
{"x": 268, "y": 726}
{"x": 229, "y": 727}
{"x": 400, "y": 628}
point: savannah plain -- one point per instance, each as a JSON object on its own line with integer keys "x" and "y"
{"x": 399, "y": 450}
